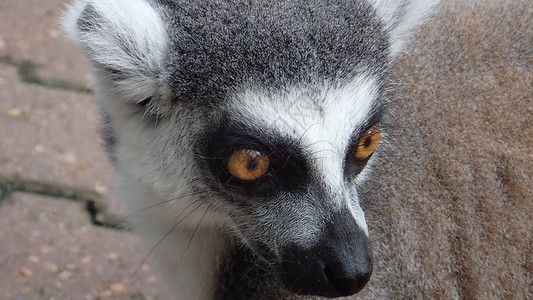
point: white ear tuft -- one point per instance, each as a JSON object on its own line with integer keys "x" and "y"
{"x": 125, "y": 40}
{"x": 401, "y": 18}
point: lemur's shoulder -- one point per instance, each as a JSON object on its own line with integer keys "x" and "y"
{"x": 458, "y": 222}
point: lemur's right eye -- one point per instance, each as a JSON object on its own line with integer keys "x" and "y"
{"x": 248, "y": 165}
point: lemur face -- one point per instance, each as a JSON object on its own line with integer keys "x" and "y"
{"x": 254, "y": 118}
{"x": 287, "y": 166}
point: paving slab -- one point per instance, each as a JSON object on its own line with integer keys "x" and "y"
{"x": 30, "y": 32}
{"x": 50, "y": 135}
{"x": 50, "y": 250}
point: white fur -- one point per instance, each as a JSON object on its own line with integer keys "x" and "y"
{"x": 324, "y": 134}
{"x": 186, "y": 262}
{"x": 401, "y": 18}
{"x": 127, "y": 35}
{"x": 158, "y": 195}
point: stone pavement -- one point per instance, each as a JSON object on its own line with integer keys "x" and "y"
{"x": 52, "y": 167}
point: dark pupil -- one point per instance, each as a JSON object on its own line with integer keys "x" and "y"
{"x": 367, "y": 142}
{"x": 252, "y": 165}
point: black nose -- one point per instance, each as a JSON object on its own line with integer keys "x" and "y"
{"x": 348, "y": 282}
{"x": 329, "y": 269}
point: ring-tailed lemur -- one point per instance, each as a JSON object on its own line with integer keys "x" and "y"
{"x": 241, "y": 130}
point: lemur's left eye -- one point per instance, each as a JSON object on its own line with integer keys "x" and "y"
{"x": 368, "y": 143}
{"x": 248, "y": 165}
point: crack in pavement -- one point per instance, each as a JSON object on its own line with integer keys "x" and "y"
{"x": 94, "y": 207}
{"x": 26, "y": 74}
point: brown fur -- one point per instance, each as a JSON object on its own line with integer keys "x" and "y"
{"x": 450, "y": 207}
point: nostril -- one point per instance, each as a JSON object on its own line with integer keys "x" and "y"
{"x": 347, "y": 284}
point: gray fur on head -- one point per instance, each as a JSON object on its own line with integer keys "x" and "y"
{"x": 218, "y": 46}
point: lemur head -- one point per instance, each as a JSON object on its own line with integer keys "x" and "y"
{"x": 266, "y": 113}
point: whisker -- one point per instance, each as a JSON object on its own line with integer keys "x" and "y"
{"x": 267, "y": 274}
{"x": 304, "y": 133}
{"x": 191, "y": 237}
{"x": 206, "y": 157}
{"x": 325, "y": 150}
{"x": 163, "y": 202}
{"x": 334, "y": 150}
{"x": 292, "y": 286}
{"x": 168, "y": 232}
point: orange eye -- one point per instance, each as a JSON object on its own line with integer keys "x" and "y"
{"x": 368, "y": 143}
{"x": 248, "y": 164}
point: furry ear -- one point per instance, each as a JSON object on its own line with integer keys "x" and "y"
{"x": 401, "y": 18}
{"x": 125, "y": 40}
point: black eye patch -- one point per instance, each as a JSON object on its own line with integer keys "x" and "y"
{"x": 287, "y": 170}
{"x": 145, "y": 102}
